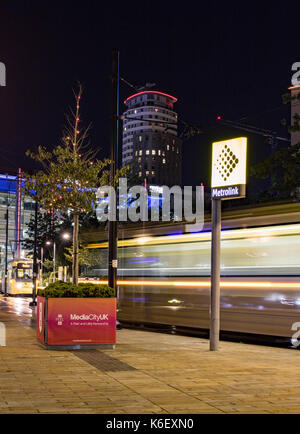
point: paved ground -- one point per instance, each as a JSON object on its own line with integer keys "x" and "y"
{"x": 146, "y": 373}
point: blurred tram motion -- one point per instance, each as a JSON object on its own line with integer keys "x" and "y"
{"x": 165, "y": 279}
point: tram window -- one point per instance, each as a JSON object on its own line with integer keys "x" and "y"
{"x": 24, "y": 274}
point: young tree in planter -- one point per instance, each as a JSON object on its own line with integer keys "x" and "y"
{"x": 69, "y": 177}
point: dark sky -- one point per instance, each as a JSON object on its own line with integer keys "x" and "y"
{"x": 215, "y": 57}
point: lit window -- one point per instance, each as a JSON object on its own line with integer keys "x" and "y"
{"x": 140, "y": 174}
{"x": 147, "y": 172}
{"x": 168, "y": 147}
{"x": 153, "y": 151}
{"x": 153, "y": 172}
{"x": 164, "y": 161}
{"x": 140, "y": 138}
{"x": 147, "y": 152}
{"x": 141, "y": 152}
{"x": 159, "y": 152}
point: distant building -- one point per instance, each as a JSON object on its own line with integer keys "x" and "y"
{"x": 150, "y": 140}
{"x": 20, "y": 209}
{"x": 295, "y": 109}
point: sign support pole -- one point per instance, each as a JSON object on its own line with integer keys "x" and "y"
{"x": 228, "y": 181}
{"x": 215, "y": 275}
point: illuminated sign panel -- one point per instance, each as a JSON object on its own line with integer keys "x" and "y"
{"x": 229, "y": 169}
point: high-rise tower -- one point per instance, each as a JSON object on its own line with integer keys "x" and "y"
{"x": 150, "y": 141}
{"x": 295, "y": 90}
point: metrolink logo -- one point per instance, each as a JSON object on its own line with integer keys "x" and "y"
{"x": 89, "y": 317}
{"x": 2, "y": 74}
{"x": 226, "y": 162}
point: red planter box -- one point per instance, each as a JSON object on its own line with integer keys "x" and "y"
{"x": 74, "y": 323}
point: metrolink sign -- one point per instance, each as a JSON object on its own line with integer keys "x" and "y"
{"x": 229, "y": 169}
{"x": 228, "y": 181}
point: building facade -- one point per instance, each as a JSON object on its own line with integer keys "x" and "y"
{"x": 295, "y": 90}
{"x": 19, "y": 210}
{"x": 150, "y": 138}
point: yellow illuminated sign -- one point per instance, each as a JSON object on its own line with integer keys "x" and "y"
{"x": 229, "y": 168}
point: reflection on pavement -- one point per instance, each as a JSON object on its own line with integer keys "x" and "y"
{"x": 19, "y": 307}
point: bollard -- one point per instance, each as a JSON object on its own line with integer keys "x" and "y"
{"x": 2, "y": 335}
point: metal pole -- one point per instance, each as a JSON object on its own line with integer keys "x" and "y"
{"x": 54, "y": 261}
{"x": 65, "y": 273}
{"x": 42, "y": 263}
{"x": 112, "y": 225}
{"x": 18, "y": 214}
{"x": 35, "y": 264}
{"x": 6, "y": 249}
{"x": 215, "y": 275}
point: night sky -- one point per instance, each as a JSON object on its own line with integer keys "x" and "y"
{"x": 215, "y": 57}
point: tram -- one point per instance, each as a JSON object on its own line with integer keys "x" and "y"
{"x": 164, "y": 278}
{"x": 19, "y": 277}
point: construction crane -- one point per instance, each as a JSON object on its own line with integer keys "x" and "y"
{"x": 271, "y": 135}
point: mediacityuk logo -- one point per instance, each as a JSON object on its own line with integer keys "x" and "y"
{"x": 2, "y": 74}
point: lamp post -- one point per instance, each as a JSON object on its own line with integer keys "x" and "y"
{"x": 42, "y": 263}
{"x": 66, "y": 236}
{"x": 112, "y": 225}
{"x": 35, "y": 263}
{"x": 48, "y": 243}
{"x": 6, "y": 250}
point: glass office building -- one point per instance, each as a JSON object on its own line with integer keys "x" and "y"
{"x": 19, "y": 210}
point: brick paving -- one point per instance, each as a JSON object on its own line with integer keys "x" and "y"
{"x": 150, "y": 373}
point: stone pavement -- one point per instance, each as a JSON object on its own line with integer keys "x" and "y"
{"x": 146, "y": 373}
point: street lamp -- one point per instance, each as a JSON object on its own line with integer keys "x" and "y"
{"x": 48, "y": 243}
{"x": 65, "y": 236}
